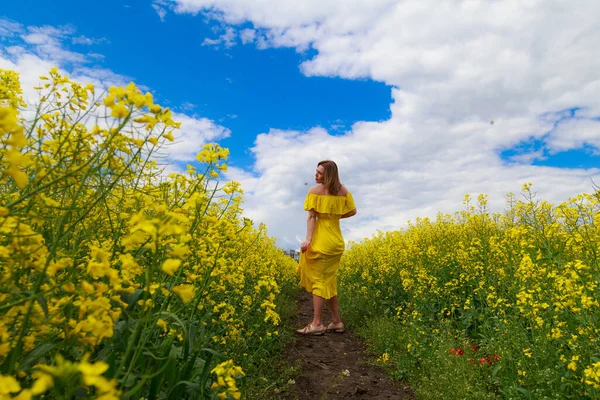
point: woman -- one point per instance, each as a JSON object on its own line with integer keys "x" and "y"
{"x": 326, "y": 203}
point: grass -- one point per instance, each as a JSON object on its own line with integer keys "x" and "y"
{"x": 270, "y": 376}
{"x": 429, "y": 367}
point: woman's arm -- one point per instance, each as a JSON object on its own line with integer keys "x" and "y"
{"x": 349, "y": 214}
{"x": 310, "y": 228}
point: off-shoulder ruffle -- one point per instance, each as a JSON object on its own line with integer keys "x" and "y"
{"x": 325, "y": 204}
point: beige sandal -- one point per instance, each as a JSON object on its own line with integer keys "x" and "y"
{"x": 336, "y": 328}
{"x": 312, "y": 330}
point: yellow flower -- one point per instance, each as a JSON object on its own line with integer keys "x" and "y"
{"x": 138, "y": 100}
{"x": 18, "y": 176}
{"x": 41, "y": 384}
{"x": 385, "y": 357}
{"x": 109, "y": 101}
{"x": 592, "y": 375}
{"x": 227, "y": 373}
{"x": 180, "y": 250}
{"x": 26, "y": 394}
{"x": 170, "y": 266}
{"x": 163, "y": 324}
{"x": 92, "y": 376}
{"x": 8, "y": 384}
{"x": 169, "y": 136}
{"x": 95, "y": 369}
{"x": 9, "y": 122}
{"x": 186, "y": 292}
{"x": 119, "y": 111}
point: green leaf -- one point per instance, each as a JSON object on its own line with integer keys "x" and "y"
{"x": 523, "y": 391}
{"x": 132, "y": 298}
{"x": 497, "y": 368}
{"x": 206, "y": 369}
{"x": 131, "y": 380}
{"x": 158, "y": 380}
{"x": 35, "y": 355}
{"x": 194, "y": 387}
{"x": 43, "y": 304}
{"x": 188, "y": 369}
{"x": 186, "y": 336}
{"x": 172, "y": 372}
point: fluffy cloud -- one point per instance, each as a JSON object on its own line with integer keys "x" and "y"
{"x": 227, "y": 39}
{"x": 88, "y": 41}
{"x": 247, "y": 35}
{"x": 160, "y": 7}
{"x": 470, "y": 79}
{"x": 194, "y": 133}
{"x": 33, "y": 51}
{"x": 573, "y": 134}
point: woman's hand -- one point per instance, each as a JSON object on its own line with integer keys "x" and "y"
{"x": 304, "y": 246}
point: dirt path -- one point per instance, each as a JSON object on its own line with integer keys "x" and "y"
{"x": 322, "y": 362}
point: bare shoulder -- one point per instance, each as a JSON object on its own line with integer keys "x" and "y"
{"x": 317, "y": 189}
{"x": 343, "y": 191}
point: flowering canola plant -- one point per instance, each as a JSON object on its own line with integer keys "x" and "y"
{"x": 523, "y": 284}
{"x": 116, "y": 280}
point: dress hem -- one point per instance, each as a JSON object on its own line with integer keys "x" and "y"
{"x": 317, "y": 291}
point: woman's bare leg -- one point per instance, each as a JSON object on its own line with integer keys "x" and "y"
{"x": 334, "y": 306}
{"x": 318, "y": 305}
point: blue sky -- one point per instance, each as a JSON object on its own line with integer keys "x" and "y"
{"x": 246, "y": 90}
{"x": 419, "y": 102}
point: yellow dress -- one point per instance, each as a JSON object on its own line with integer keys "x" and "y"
{"x": 319, "y": 263}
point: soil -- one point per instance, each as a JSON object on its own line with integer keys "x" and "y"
{"x": 335, "y": 365}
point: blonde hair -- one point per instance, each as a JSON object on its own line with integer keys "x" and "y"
{"x": 331, "y": 178}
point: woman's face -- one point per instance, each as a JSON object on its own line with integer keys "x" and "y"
{"x": 319, "y": 174}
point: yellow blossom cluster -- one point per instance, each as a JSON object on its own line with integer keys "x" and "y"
{"x": 102, "y": 254}
{"x": 62, "y": 379}
{"x": 225, "y": 383}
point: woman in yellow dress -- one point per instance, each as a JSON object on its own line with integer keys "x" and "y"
{"x": 326, "y": 203}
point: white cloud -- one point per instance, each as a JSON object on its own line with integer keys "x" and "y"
{"x": 187, "y": 106}
{"x": 47, "y": 43}
{"x": 160, "y": 11}
{"x": 9, "y": 28}
{"x": 528, "y": 157}
{"x": 161, "y": 7}
{"x": 194, "y": 133}
{"x": 88, "y": 41}
{"x": 247, "y": 35}
{"x": 43, "y": 48}
{"x": 227, "y": 39}
{"x": 573, "y": 134}
{"x": 455, "y": 66}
